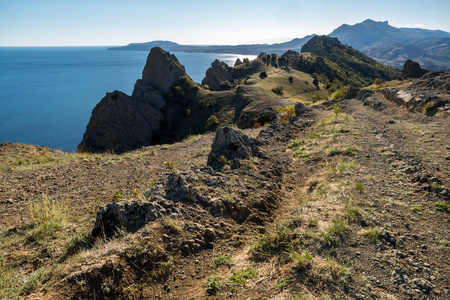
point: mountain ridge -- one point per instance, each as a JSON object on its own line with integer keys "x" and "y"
{"x": 385, "y": 43}
{"x": 392, "y": 45}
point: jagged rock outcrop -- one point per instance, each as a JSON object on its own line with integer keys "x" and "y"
{"x": 120, "y": 122}
{"x": 216, "y": 74}
{"x": 273, "y": 60}
{"x": 368, "y": 98}
{"x": 260, "y": 117}
{"x": 229, "y": 146}
{"x": 412, "y": 69}
{"x": 162, "y": 70}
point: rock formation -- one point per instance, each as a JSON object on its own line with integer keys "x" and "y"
{"x": 412, "y": 69}
{"x": 120, "y": 122}
{"x": 229, "y": 146}
{"x": 216, "y": 74}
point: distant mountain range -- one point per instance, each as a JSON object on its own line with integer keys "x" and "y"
{"x": 393, "y": 46}
{"x": 383, "y": 42}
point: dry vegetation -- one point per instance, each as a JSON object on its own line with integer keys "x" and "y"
{"x": 349, "y": 219}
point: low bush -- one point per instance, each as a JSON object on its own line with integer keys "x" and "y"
{"x": 212, "y": 122}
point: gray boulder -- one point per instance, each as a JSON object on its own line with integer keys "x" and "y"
{"x": 249, "y": 118}
{"x": 412, "y": 69}
{"x": 232, "y": 145}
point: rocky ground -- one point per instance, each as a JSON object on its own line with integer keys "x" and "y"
{"x": 349, "y": 200}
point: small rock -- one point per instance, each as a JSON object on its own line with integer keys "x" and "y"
{"x": 209, "y": 234}
{"x": 401, "y": 254}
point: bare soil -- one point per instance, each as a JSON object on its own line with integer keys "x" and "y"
{"x": 364, "y": 169}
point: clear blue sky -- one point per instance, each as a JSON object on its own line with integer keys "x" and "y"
{"x": 119, "y": 22}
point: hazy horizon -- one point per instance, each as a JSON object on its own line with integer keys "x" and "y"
{"x": 40, "y": 23}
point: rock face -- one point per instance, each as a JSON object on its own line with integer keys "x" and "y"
{"x": 248, "y": 119}
{"x": 230, "y": 145}
{"x": 412, "y": 69}
{"x": 120, "y": 122}
{"x": 216, "y": 74}
{"x": 162, "y": 70}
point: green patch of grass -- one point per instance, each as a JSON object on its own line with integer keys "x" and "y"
{"x": 282, "y": 242}
{"x": 13, "y": 282}
{"x": 303, "y": 259}
{"x": 417, "y": 208}
{"x": 282, "y": 282}
{"x": 223, "y": 260}
{"x": 76, "y": 244}
{"x": 312, "y": 222}
{"x": 352, "y": 212}
{"x": 48, "y": 216}
{"x": 334, "y": 231}
{"x": 442, "y": 206}
{"x": 213, "y": 285}
{"x": 339, "y": 271}
{"x": 240, "y": 277}
{"x": 371, "y": 234}
{"x": 446, "y": 243}
{"x": 212, "y": 122}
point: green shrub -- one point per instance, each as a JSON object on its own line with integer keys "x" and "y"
{"x": 340, "y": 93}
{"x": 278, "y": 90}
{"x": 429, "y": 108}
{"x": 262, "y": 75}
{"x": 212, "y": 122}
{"x": 378, "y": 81}
{"x": 225, "y": 85}
{"x": 213, "y": 285}
{"x": 188, "y": 84}
{"x": 222, "y": 260}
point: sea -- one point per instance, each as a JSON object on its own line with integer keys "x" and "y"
{"x": 47, "y": 93}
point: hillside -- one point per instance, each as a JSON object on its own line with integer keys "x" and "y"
{"x": 392, "y": 46}
{"x": 335, "y": 64}
{"x": 349, "y": 199}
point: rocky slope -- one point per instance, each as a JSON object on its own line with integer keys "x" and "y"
{"x": 346, "y": 199}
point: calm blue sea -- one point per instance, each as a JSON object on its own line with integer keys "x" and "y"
{"x": 47, "y": 93}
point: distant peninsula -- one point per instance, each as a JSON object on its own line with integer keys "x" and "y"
{"x": 251, "y": 49}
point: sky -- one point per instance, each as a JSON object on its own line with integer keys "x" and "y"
{"x": 119, "y": 22}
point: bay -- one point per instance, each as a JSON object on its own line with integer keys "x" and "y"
{"x": 47, "y": 93}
